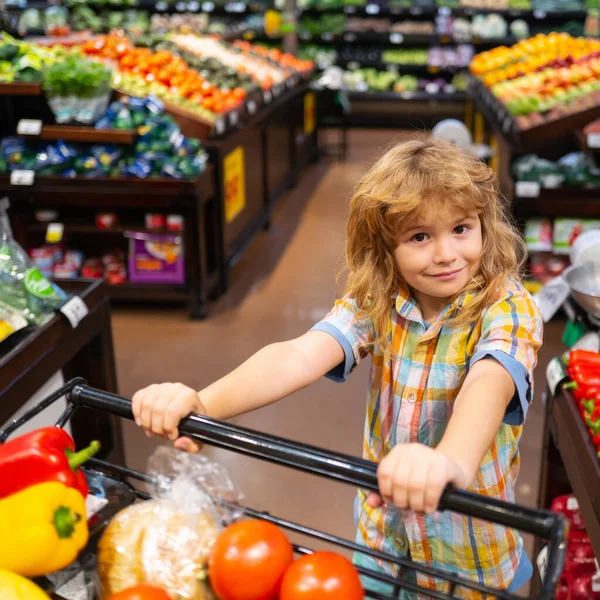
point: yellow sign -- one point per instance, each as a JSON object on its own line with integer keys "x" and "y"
{"x": 309, "y": 113}
{"x": 234, "y": 183}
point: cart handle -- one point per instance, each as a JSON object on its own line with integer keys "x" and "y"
{"x": 332, "y": 465}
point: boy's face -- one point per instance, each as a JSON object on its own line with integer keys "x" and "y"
{"x": 440, "y": 252}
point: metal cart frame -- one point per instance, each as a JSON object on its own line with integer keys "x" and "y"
{"x": 549, "y": 526}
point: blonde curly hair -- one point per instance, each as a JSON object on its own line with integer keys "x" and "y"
{"x": 403, "y": 184}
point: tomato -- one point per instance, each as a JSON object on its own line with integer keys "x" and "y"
{"x": 248, "y": 561}
{"x": 142, "y": 592}
{"x": 321, "y": 576}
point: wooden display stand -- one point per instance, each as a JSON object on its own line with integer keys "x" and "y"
{"x": 29, "y": 358}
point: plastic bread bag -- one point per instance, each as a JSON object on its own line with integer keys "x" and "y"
{"x": 166, "y": 541}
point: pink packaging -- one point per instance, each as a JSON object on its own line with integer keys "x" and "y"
{"x": 155, "y": 258}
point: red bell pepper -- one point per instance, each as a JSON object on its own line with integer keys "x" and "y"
{"x": 47, "y": 454}
{"x": 581, "y": 391}
{"x": 586, "y": 357}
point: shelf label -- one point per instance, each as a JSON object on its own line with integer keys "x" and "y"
{"x": 181, "y": 7}
{"x": 54, "y": 233}
{"x": 551, "y": 297}
{"x": 208, "y": 6}
{"x": 396, "y": 38}
{"x": 75, "y": 310}
{"x": 444, "y": 11}
{"x": 327, "y": 37}
{"x": 349, "y": 10}
{"x": 555, "y": 374}
{"x": 22, "y": 177}
{"x": 528, "y": 189}
{"x": 29, "y": 127}
{"x": 349, "y": 37}
{"x": 94, "y": 504}
{"x": 432, "y": 69}
{"x": 309, "y": 113}
{"x": 193, "y": 6}
{"x": 234, "y": 183}
{"x": 542, "y": 562}
{"x": 233, "y": 118}
{"x": 372, "y": 9}
{"x": 267, "y": 96}
{"x": 220, "y": 126}
{"x": 539, "y": 14}
{"x": 593, "y": 140}
{"x": 251, "y": 107}
{"x": 161, "y": 6}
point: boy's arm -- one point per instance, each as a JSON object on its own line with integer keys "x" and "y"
{"x": 271, "y": 374}
{"x": 477, "y": 415}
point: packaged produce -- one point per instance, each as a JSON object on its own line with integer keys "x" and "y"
{"x": 538, "y": 235}
{"x": 22, "y": 286}
{"x": 566, "y": 232}
{"x": 156, "y": 258}
{"x": 167, "y": 541}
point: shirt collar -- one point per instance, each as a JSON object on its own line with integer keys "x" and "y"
{"x": 407, "y": 307}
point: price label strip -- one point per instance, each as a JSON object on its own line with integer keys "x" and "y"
{"x": 593, "y": 140}
{"x": 29, "y": 127}
{"x": 75, "y": 310}
{"x": 54, "y": 233}
{"x": 22, "y": 177}
{"x": 555, "y": 374}
{"x": 528, "y": 189}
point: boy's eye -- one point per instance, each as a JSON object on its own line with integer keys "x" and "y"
{"x": 461, "y": 229}
{"x": 419, "y": 237}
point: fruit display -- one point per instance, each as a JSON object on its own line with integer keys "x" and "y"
{"x": 409, "y": 27}
{"x": 326, "y": 23}
{"x": 405, "y": 57}
{"x": 21, "y": 61}
{"x": 131, "y": 21}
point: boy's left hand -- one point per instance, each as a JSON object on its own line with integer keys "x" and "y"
{"x": 414, "y": 476}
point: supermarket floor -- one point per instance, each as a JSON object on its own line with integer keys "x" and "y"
{"x": 285, "y": 283}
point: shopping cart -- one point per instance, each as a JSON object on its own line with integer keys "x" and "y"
{"x": 550, "y": 527}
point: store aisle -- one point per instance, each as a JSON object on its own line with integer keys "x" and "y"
{"x": 286, "y": 283}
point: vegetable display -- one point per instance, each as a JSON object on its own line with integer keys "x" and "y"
{"x": 16, "y": 587}
{"x": 22, "y": 62}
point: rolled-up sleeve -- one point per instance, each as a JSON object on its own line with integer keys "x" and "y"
{"x": 511, "y": 334}
{"x": 354, "y": 333}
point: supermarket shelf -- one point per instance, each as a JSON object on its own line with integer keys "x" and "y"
{"x": 181, "y": 6}
{"x": 377, "y": 64}
{"x": 20, "y": 89}
{"x": 415, "y": 11}
{"x": 584, "y": 202}
{"x": 93, "y": 230}
{"x": 398, "y": 39}
{"x": 148, "y": 292}
{"x": 408, "y": 96}
{"x": 69, "y": 133}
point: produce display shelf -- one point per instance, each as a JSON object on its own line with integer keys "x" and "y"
{"x": 559, "y": 202}
{"x": 69, "y": 133}
{"x": 378, "y": 64}
{"x": 410, "y": 96}
{"x": 20, "y": 89}
{"x": 524, "y": 139}
{"x": 398, "y": 39}
{"x": 375, "y": 10}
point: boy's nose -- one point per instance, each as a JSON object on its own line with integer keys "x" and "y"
{"x": 444, "y": 251}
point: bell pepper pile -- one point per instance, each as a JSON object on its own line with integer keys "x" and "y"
{"x": 584, "y": 371}
{"x": 42, "y": 502}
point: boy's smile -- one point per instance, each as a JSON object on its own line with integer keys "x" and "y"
{"x": 438, "y": 254}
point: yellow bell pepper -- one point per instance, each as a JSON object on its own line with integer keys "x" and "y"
{"x": 16, "y": 587}
{"x": 42, "y": 529}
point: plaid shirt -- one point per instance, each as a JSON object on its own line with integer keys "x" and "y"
{"x": 412, "y": 390}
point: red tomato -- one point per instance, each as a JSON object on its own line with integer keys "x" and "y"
{"x": 248, "y": 561}
{"x": 321, "y": 576}
{"x": 142, "y": 592}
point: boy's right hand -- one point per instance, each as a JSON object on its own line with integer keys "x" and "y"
{"x": 158, "y": 409}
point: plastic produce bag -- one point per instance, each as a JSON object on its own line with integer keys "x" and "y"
{"x": 580, "y": 170}
{"x": 166, "y": 541}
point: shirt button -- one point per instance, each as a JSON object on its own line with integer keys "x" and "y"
{"x": 412, "y": 398}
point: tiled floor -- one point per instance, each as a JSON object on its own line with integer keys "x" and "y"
{"x": 285, "y": 283}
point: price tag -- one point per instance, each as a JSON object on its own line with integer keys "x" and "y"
{"x": 539, "y": 14}
{"x": 349, "y": 10}
{"x": 21, "y": 177}
{"x": 555, "y": 374}
{"x": 29, "y": 127}
{"x": 54, "y": 233}
{"x": 267, "y": 97}
{"x": 593, "y": 140}
{"x": 444, "y": 11}
{"x": 193, "y": 6}
{"x": 161, "y": 6}
{"x": 251, "y": 107}
{"x": 75, "y": 310}
{"x": 542, "y": 562}
{"x": 93, "y": 505}
{"x": 327, "y": 37}
{"x": 527, "y": 189}
{"x": 416, "y": 10}
{"x": 349, "y": 37}
{"x": 208, "y": 6}
{"x": 372, "y": 9}
{"x": 220, "y": 126}
{"x": 551, "y": 297}
{"x": 396, "y": 38}
{"x": 233, "y": 118}
{"x": 181, "y": 7}
{"x": 572, "y": 503}
{"x": 433, "y": 69}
